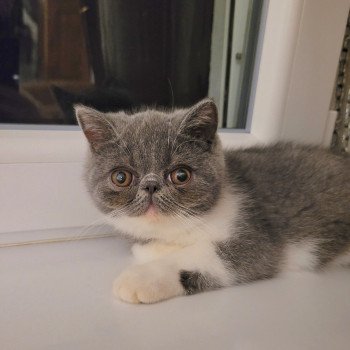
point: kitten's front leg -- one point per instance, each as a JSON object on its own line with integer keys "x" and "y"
{"x": 153, "y": 250}
{"x": 186, "y": 271}
{"x": 148, "y": 283}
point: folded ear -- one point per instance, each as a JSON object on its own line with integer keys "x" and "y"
{"x": 201, "y": 121}
{"x": 96, "y": 126}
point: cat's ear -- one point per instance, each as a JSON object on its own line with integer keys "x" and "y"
{"x": 201, "y": 121}
{"x": 97, "y": 128}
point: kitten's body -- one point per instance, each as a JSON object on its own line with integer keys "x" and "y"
{"x": 245, "y": 214}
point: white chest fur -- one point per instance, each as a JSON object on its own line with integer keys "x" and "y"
{"x": 217, "y": 225}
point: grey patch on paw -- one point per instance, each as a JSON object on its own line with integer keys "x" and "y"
{"x": 195, "y": 282}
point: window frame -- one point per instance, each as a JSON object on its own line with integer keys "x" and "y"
{"x": 282, "y": 107}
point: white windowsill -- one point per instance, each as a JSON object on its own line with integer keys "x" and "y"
{"x": 55, "y": 235}
{"x": 58, "y": 296}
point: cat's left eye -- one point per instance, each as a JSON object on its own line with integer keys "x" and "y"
{"x": 180, "y": 176}
{"x": 121, "y": 178}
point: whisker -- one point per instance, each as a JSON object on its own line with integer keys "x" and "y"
{"x": 172, "y": 94}
{"x": 182, "y": 216}
{"x": 189, "y": 214}
{"x": 85, "y": 232}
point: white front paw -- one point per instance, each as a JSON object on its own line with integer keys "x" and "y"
{"x": 148, "y": 283}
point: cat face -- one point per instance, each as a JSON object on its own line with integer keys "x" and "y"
{"x": 154, "y": 163}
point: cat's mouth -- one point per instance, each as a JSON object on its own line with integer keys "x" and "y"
{"x": 151, "y": 211}
{"x": 150, "y": 208}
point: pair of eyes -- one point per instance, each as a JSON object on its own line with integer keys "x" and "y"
{"x": 123, "y": 178}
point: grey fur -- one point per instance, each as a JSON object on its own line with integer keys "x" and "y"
{"x": 290, "y": 193}
{"x": 195, "y": 282}
{"x": 152, "y": 143}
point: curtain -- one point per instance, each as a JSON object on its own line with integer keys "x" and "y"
{"x": 158, "y": 49}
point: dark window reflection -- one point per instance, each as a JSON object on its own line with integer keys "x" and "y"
{"x": 108, "y": 54}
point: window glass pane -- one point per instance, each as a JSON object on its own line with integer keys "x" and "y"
{"x": 119, "y": 55}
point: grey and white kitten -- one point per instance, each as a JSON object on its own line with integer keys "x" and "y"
{"x": 203, "y": 218}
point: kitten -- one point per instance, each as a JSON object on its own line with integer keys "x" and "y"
{"x": 203, "y": 218}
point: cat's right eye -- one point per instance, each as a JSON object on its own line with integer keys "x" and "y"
{"x": 121, "y": 178}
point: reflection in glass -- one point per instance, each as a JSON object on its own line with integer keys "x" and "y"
{"x": 119, "y": 55}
